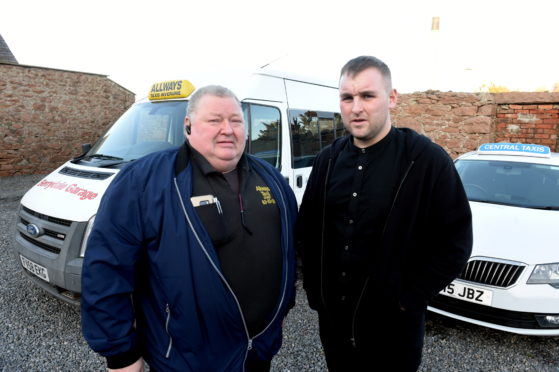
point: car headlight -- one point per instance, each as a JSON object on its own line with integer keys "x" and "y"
{"x": 545, "y": 274}
{"x": 86, "y": 235}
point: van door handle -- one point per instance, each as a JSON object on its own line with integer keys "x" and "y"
{"x": 299, "y": 181}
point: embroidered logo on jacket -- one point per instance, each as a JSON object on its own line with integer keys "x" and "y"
{"x": 266, "y": 195}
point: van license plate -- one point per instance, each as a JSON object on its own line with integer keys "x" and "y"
{"x": 35, "y": 269}
{"x": 468, "y": 293}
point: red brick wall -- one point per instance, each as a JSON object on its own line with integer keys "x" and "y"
{"x": 528, "y": 118}
{"x": 460, "y": 122}
{"x": 46, "y": 115}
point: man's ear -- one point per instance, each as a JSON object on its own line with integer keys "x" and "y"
{"x": 187, "y": 125}
{"x": 393, "y": 98}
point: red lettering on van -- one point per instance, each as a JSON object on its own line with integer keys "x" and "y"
{"x": 82, "y": 193}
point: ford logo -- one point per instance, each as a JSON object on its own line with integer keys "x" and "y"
{"x": 33, "y": 230}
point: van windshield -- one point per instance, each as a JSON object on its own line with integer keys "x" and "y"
{"x": 143, "y": 129}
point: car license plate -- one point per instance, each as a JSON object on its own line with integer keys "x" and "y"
{"x": 34, "y": 268}
{"x": 468, "y": 293}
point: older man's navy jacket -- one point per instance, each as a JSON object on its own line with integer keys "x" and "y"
{"x": 152, "y": 284}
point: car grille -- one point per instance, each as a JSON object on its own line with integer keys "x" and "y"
{"x": 493, "y": 273}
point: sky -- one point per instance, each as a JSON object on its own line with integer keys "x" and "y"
{"x": 508, "y": 43}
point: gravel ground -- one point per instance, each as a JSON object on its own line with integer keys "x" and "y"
{"x": 39, "y": 333}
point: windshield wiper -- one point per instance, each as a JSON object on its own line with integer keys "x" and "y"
{"x": 118, "y": 162}
{"x": 483, "y": 201}
{"x": 546, "y": 208}
{"x": 496, "y": 202}
{"x": 105, "y": 157}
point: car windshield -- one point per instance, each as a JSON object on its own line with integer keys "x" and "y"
{"x": 511, "y": 183}
{"x": 143, "y": 129}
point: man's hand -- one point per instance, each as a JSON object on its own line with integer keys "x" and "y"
{"x": 138, "y": 366}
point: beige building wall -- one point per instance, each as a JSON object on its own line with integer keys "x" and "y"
{"x": 47, "y": 114}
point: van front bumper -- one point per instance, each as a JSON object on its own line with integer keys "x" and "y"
{"x": 55, "y": 247}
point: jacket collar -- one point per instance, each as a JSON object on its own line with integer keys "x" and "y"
{"x": 183, "y": 157}
{"x": 186, "y": 153}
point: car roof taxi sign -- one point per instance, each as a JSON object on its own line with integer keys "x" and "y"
{"x": 515, "y": 149}
{"x": 171, "y": 89}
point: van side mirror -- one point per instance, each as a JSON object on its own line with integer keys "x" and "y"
{"x": 86, "y": 147}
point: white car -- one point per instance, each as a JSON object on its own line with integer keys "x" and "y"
{"x": 511, "y": 281}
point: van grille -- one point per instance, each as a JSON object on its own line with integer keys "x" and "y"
{"x": 85, "y": 174}
{"x": 38, "y": 243}
{"x": 493, "y": 273}
{"x": 55, "y": 233}
{"x": 51, "y": 233}
{"x": 58, "y": 221}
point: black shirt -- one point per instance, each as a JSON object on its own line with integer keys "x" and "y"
{"x": 361, "y": 189}
{"x": 246, "y": 236}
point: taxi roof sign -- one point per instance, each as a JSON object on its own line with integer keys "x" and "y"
{"x": 515, "y": 149}
{"x": 171, "y": 89}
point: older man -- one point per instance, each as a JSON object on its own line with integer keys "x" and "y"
{"x": 190, "y": 265}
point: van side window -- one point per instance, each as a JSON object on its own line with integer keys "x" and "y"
{"x": 263, "y": 128}
{"x": 339, "y": 126}
{"x": 311, "y": 131}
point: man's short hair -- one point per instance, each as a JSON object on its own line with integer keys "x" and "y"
{"x": 212, "y": 90}
{"x": 361, "y": 63}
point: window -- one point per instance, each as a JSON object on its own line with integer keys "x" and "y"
{"x": 143, "y": 129}
{"x": 339, "y": 126}
{"x": 327, "y": 132}
{"x": 263, "y": 128}
{"x": 510, "y": 183}
{"x": 311, "y": 131}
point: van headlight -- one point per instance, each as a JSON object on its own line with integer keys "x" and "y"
{"x": 86, "y": 235}
{"x": 545, "y": 274}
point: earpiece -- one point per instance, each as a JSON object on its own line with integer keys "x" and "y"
{"x": 187, "y": 128}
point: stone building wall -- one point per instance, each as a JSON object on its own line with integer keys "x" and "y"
{"x": 459, "y": 122}
{"x": 47, "y": 114}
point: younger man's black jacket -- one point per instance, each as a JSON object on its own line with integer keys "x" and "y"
{"x": 425, "y": 242}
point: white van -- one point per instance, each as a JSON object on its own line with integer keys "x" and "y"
{"x": 289, "y": 119}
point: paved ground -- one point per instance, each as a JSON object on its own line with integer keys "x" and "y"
{"x": 39, "y": 333}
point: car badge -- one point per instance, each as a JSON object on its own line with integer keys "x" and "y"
{"x": 33, "y": 230}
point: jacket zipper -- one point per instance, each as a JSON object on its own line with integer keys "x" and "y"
{"x": 249, "y": 340}
{"x": 249, "y": 343}
{"x": 285, "y": 263}
{"x": 353, "y": 343}
{"x": 396, "y": 196}
{"x": 168, "y": 311}
{"x": 322, "y": 232}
